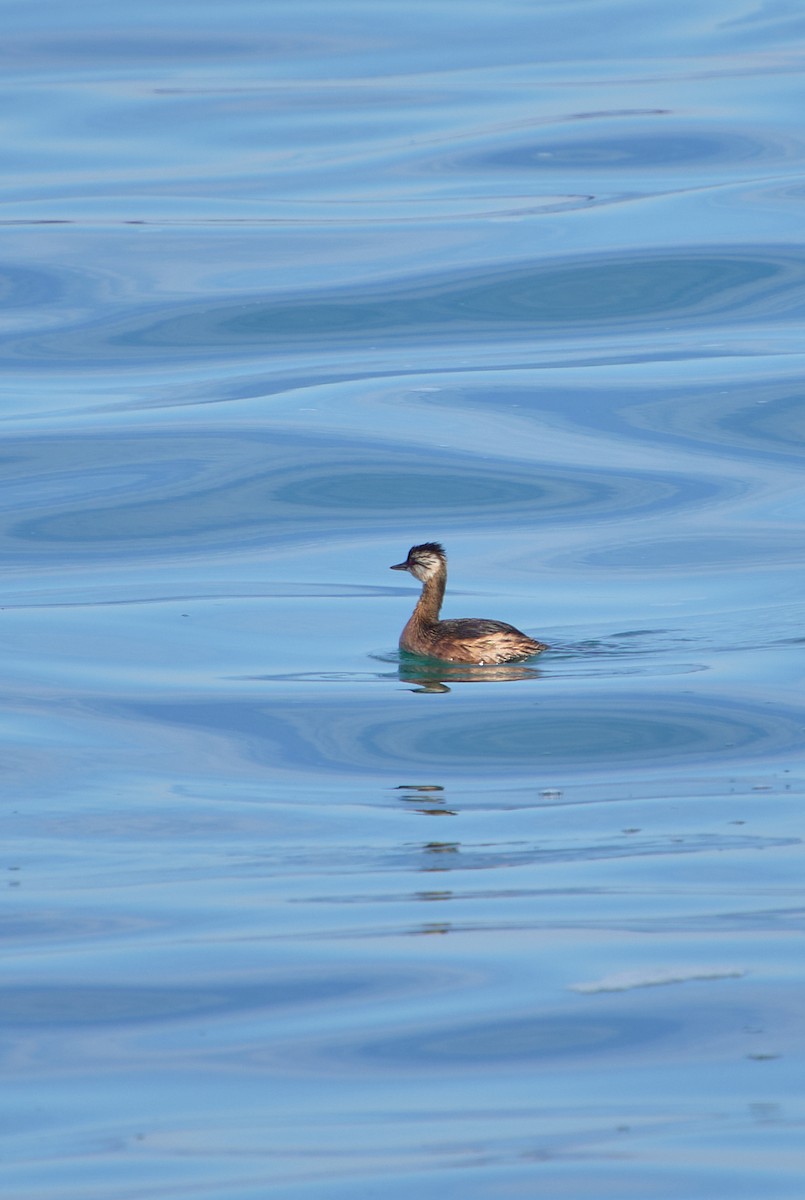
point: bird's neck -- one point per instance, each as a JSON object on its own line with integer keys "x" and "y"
{"x": 430, "y": 601}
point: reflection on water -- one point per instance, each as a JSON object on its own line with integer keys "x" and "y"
{"x": 433, "y": 676}
{"x": 573, "y": 728}
{"x": 288, "y": 912}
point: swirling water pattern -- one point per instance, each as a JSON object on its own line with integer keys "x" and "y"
{"x": 283, "y": 290}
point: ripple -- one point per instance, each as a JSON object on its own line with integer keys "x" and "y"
{"x": 623, "y": 1027}
{"x": 765, "y": 420}
{"x": 70, "y": 926}
{"x": 514, "y": 1041}
{"x": 682, "y": 149}
{"x": 29, "y": 287}
{"x": 90, "y": 1005}
{"x": 413, "y": 489}
{"x": 514, "y": 302}
{"x": 704, "y": 552}
{"x": 572, "y": 735}
{"x": 99, "y": 495}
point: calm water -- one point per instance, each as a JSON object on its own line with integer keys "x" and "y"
{"x": 285, "y": 288}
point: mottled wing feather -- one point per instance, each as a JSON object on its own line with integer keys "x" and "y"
{"x": 469, "y": 628}
{"x": 477, "y": 640}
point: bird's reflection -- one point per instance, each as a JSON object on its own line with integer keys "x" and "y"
{"x": 437, "y": 856}
{"x": 435, "y": 807}
{"x": 433, "y": 676}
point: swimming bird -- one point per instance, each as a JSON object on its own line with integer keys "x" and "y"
{"x": 466, "y": 640}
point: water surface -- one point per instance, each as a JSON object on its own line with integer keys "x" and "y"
{"x": 283, "y": 291}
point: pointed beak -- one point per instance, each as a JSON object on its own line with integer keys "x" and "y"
{"x": 399, "y": 567}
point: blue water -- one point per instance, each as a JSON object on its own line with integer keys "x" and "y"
{"x": 284, "y": 289}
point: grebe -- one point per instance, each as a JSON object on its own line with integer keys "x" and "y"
{"x": 468, "y": 640}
